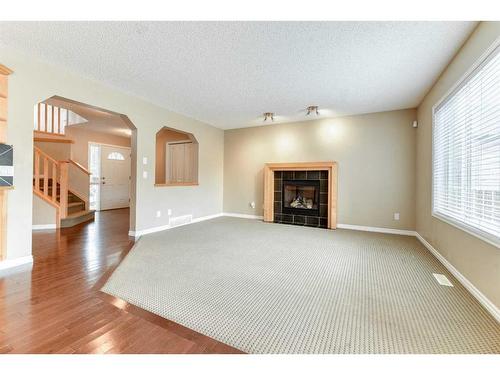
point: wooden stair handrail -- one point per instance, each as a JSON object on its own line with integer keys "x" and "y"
{"x": 43, "y": 153}
{"x": 79, "y": 166}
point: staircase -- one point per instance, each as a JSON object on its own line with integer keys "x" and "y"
{"x": 52, "y": 184}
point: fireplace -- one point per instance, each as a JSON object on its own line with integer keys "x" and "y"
{"x": 292, "y": 196}
{"x": 300, "y": 197}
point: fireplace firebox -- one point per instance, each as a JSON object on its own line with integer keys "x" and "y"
{"x": 301, "y": 197}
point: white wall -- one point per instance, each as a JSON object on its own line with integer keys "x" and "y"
{"x": 34, "y": 81}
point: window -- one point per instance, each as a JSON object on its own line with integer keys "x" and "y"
{"x": 115, "y": 156}
{"x": 95, "y": 175}
{"x": 466, "y": 152}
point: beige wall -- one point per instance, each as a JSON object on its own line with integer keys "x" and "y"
{"x": 475, "y": 259}
{"x": 82, "y": 137}
{"x": 58, "y": 151}
{"x": 375, "y": 152}
{"x": 43, "y": 213}
{"x": 34, "y": 81}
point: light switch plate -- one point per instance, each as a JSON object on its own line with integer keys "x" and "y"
{"x": 145, "y": 160}
{"x": 144, "y": 174}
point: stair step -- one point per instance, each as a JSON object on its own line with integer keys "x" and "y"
{"x": 77, "y": 218}
{"x": 74, "y": 207}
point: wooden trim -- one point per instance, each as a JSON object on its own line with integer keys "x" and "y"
{"x": 63, "y": 183}
{"x": 5, "y": 71}
{"x": 3, "y": 224}
{"x": 38, "y": 118}
{"x": 46, "y": 178}
{"x": 329, "y": 166}
{"x": 79, "y": 166}
{"x": 316, "y": 166}
{"x": 52, "y": 140}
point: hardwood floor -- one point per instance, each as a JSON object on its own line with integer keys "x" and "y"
{"x": 56, "y": 307}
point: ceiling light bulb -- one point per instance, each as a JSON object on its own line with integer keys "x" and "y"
{"x": 312, "y": 109}
{"x": 269, "y": 115}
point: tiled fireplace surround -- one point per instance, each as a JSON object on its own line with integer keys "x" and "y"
{"x": 320, "y": 221}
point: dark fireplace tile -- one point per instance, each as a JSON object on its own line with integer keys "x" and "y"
{"x": 323, "y": 223}
{"x": 298, "y": 219}
{"x": 287, "y": 175}
{"x": 277, "y": 218}
{"x": 313, "y": 175}
{"x": 287, "y": 218}
{"x": 323, "y": 186}
{"x": 323, "y": 175}
{"x": 323, "y": 198}
{"x": 277, "y": 174}
{"x": 277, "y": 196}
{"x": 277, "y": 207}
{"x": 312, "y": 221}
{"x": 277, "y": 185}
{"x": 300, "y": 175}
{"x": 323, "y": 210}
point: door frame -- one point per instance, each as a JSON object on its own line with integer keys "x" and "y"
{"x": 98, "y": 208}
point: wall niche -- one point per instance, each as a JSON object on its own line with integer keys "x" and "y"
{"x": 176, "y": 158}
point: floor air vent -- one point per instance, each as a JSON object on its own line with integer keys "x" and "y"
{"x": 180, "y": 220}
{"x": 442, "y": 279}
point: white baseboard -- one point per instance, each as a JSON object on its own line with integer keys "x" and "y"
{"x": 243, "y": 216}
{"x": 483, "y": 300}
{"x": 43, "y": 226}
{"x": 16, "y": 262}
{"x": 167, "y": 226}
{"x": 403, "y": 232}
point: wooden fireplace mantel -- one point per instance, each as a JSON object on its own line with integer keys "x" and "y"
{"x": 330, "y": 166}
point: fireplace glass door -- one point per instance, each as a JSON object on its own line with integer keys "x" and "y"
{"x": 301, "y": 197}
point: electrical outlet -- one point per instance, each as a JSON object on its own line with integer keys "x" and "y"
{"x": 252, "y": 204}
{"x": 145, "y": 160}
{"x": 169, "y": 212}
{"x": 158, "y": 213}
{"x": 396, "y": 216}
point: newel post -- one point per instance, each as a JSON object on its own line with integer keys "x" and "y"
{"x": 63, "y": 184}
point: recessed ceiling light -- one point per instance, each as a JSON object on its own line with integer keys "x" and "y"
{"x": 312, "y": 109}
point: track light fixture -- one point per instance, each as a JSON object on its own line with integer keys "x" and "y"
{"x": 269, "y": 115}
{"x": 312, "y": 109}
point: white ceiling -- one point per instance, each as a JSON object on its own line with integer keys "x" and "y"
{"x": 228, "y": 73}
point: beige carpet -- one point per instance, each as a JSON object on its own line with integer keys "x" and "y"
{"x": 274, "y": 288}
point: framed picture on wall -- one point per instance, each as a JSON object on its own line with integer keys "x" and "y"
{"x": 6, "y": 165}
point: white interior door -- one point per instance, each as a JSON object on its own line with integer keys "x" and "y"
{"x": 115, "y": 177}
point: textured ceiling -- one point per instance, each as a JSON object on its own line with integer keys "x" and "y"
{"x": 228, "y": 73}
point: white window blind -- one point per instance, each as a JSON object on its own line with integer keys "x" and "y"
{"x": 466, "y": 152}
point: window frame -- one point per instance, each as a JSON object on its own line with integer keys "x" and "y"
{"x": 470, "y": 229}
